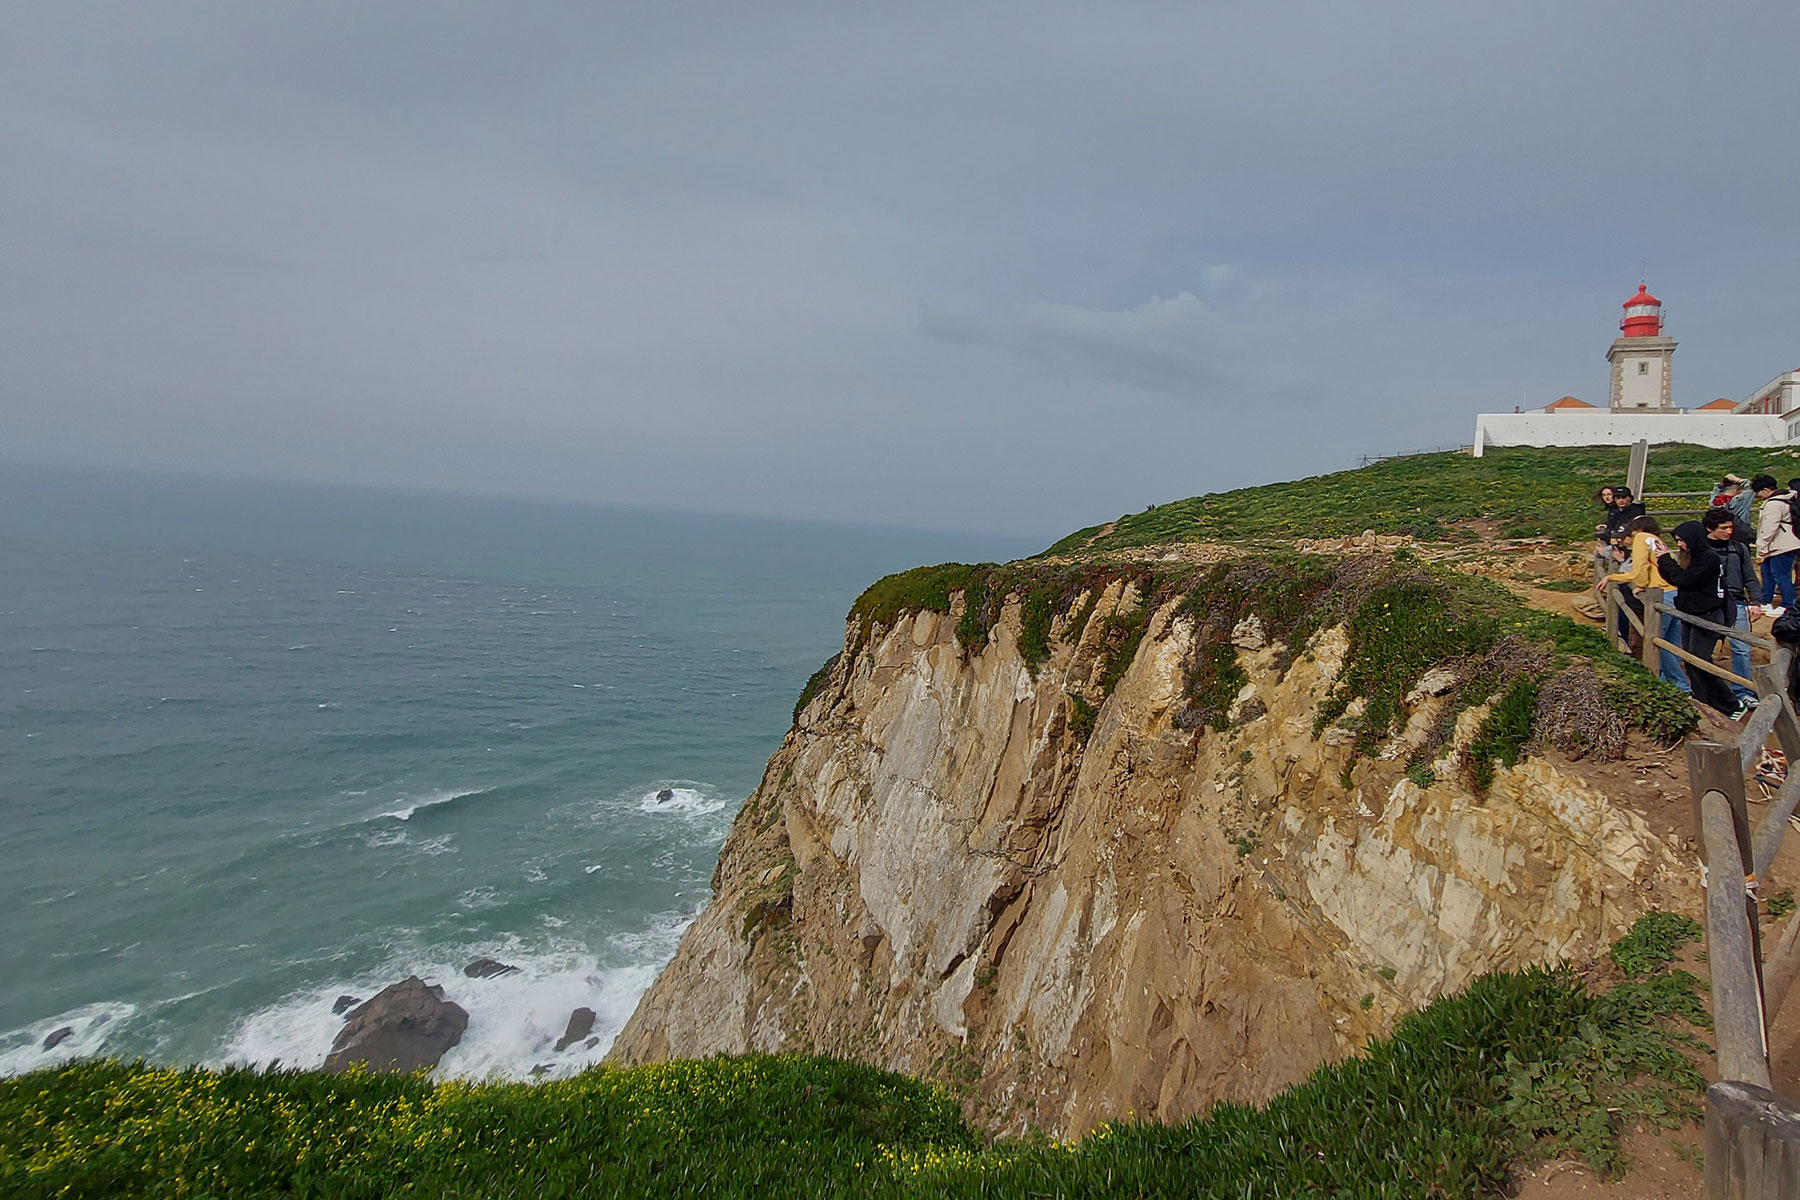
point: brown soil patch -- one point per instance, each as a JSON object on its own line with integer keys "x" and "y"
{"x": 1664, "y": 1166}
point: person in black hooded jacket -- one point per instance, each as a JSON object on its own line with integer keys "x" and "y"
{"x": 1625, "y": 510}
{"x": 1700, "y": 592}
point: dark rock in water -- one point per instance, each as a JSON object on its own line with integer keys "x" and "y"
{"x": 58, "y": 1036}
{"x": 666, "y": 795}
{"x": 590, "y": 1043}
{"x": 403, "y": 1027}
{"x": 487, "y": 968}
{"x": 581, "y": 1023}
{"x": 344, "y": 1004}
{"x": 541, "y": 1070}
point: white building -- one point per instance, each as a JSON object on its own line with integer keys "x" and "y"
{"x": 1780, "y": 397}
{"x": 1641, "y": 404}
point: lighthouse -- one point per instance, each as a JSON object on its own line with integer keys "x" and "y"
{"x": 1642, "y": 358}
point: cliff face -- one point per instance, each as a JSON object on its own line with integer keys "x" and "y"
{"x": 951, "y": 869}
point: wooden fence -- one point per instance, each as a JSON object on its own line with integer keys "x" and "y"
{"x": 1752, "y": 1134}
{"x": 1650, "y": 626}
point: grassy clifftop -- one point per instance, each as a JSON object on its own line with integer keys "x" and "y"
{"x": 1523, "y": 492}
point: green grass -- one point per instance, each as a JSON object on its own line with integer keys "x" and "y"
{"x": 1516, "y": 1067}
{"x": 1503, "y": 734}
{"x": 1525, "y": 492}
{"x": 1653, "y": 943}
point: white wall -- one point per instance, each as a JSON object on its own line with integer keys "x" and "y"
{"x": 1641, "y": 390}
{"x": 1721, "y": 430}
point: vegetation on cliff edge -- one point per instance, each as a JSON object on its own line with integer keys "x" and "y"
{"x": 1516, "y": 1067}
{"x": 1403, "y": 616}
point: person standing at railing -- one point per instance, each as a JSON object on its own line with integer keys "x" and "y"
{"x": 1618, "y": 522}
{"x": 1700, "y": 592}
{"x": 1603, "y": 547}
{"x": 1641, "y": 572}
{"x": 1740, "y": 576}
{"x": 1625, "y": 510}
{"x": 1776, "y": 541}
{"x": 1738, "y": 497}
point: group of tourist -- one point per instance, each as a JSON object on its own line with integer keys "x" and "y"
{"x": 1711, "y": 565}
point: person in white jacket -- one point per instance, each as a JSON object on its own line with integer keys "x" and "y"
{"x": 1776, "y": 540}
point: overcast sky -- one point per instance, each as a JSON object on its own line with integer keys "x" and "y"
{"x": 1011, "y": 267}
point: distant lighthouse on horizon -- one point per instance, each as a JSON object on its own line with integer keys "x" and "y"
{"x": 1642, "y": 359}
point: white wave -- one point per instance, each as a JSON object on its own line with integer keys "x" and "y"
{"x": 93, "y": 1024}
{"x": 686, "y": 800}
{"x": 479, "y": 898}
{"x": 409, "y": 807}
{"x": 657, "y": 940}
{"x": 386, "y": 837}
{"x": 514, "y": 1019}
{"x": 443, "y": 844}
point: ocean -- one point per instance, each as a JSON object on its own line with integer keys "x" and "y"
{"x": 265, "y": 745}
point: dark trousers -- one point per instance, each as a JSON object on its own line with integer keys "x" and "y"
{"x": 1709, "y": 689}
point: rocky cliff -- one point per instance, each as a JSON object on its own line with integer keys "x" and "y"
{"x": 1134, "y": 848}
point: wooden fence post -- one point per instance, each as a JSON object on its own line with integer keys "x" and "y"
{"x": 1610, "y": 597}
{"x": 1781, "y": 968}
{"x": 1652, "y": 598}
{"x": 1771, "y": 680}
{"x": 1713, "y": 766}
{"x": 1752, "y": 1144}
{"x": 1634, "y": 475}
{"x": 1733, "y": 941}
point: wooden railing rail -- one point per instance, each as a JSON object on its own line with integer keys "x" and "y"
{"x": 1649, "y": 627}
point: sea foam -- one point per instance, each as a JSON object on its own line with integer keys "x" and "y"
{"x": 23, "y": 1049}
{"x": 683, "y": 798}
{"x": 514, "y": 1019}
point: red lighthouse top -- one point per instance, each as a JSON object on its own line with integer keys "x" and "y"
{"x": 1643, "y": 315}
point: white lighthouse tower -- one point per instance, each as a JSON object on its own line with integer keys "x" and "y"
{"x": 1642, "y": 358}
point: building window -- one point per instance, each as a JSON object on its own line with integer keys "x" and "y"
{"x": 1643, "y": 368}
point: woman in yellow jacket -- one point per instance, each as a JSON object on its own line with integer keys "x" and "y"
{"x": 1646, "y": 545}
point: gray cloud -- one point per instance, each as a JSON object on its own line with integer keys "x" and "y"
{"x": 907, "y": 264}
{"x": 1162, "y": 345}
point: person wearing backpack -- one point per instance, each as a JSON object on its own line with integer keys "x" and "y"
{"x": 1740, "y": 577}
{"x": 1700, "y": 592}
{"x": 1775, "y": 540}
